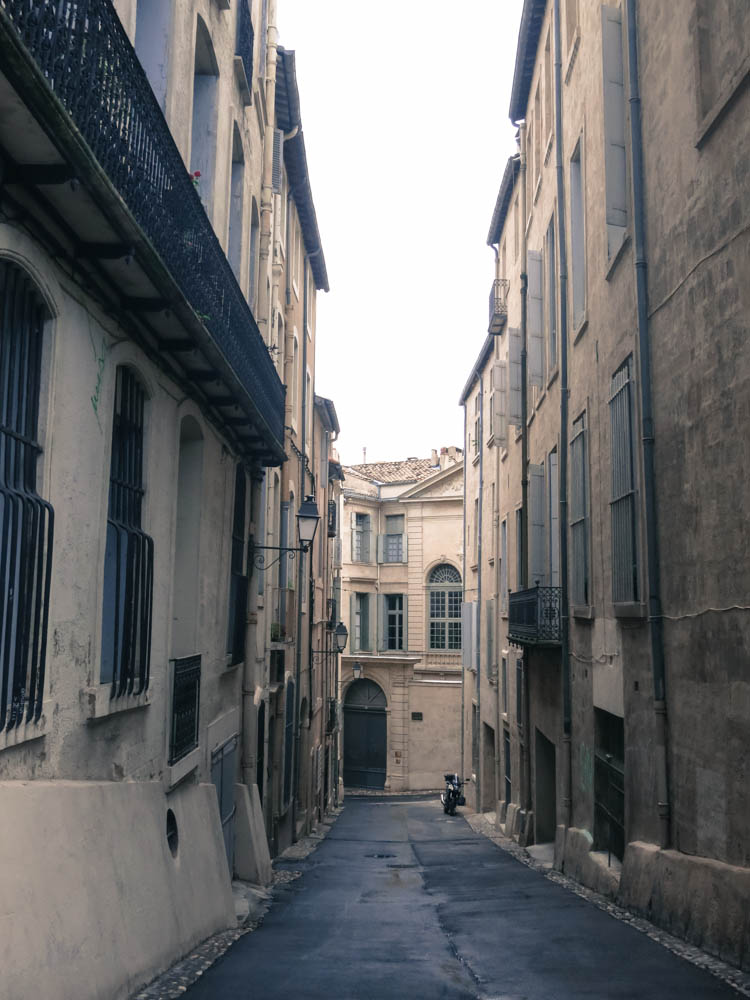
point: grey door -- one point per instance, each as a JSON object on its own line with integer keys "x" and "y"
{"x": 365, "y": 736}
{"x": 223, "y": 775}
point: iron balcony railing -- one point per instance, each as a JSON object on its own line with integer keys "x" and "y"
{"x": 186, "y": 692}
{"x": 498, "y": 304}
{"x": 534, "y": 616}
{"x": 90, "y": 66}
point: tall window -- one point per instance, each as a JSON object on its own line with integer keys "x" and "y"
{"x": 394, "y": 538}
{"x": 444, "y": 589}
{"x": 238, "y": 580}
{"x": 27, "y": 520}
{"x": 236, "y": 212}
{"x": 129, "y": 554}
{"x": 579, "y": 514}
{"x": 614, "y": 128}
{"x": 203, "y": 135}
{"x": 622, "y": 505}
{"x": 394, "y": 621}
{"x": 577, "y": 238}
{"x": 360, "y": 622}
{"x": 551, "y": 265}
{"x": 361, "y": 538}
{"x": 504, "y": 565}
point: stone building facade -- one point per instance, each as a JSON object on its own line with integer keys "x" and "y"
{"x": 401, "y": 600}
{"x": 605, "y": 691}
{"x": 159, "y": 259}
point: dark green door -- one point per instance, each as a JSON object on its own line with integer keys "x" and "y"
{"x": 365, "y": 736}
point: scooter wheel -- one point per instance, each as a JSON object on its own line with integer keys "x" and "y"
{"x": 445, "y": 808}
{"x": 452, "y": 810}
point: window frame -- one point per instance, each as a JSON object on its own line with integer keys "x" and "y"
{"x": 444, "y": 596}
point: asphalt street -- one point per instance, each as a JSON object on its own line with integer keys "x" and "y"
{"x": 402, "y": 901}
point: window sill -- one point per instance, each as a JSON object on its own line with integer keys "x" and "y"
{"x": 572, "y": 53}
{"x": 709, "y": 121}
{"x": 474, "y": 567}
{"x": 579, "y": 330}
{"x": 630, "y": 609}
{"x": 617, "y": 256}
{"x": 504, "y": 454}
{"x": 179, "y": 771}
{"x": 537, "y": 188}
{"x": 475, "y": 459}
{"x": 549, "y": 148}
{"x": 23, "y": 734}
{"x": 554, "y": 375}
{"x": 101, "y": 706}
{"x": 586, "y": 612}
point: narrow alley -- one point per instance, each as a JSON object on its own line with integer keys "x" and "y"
{"x": 401, "y": 900}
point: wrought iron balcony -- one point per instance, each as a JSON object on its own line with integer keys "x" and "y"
{"x": 331, "y": 518}
{"x": 243, "y": 58}
{"x": 498, "y": 304}
{"x": 186, "y": 693}
{"x": 534, "y": 616}
{"x": 72, "y": 64}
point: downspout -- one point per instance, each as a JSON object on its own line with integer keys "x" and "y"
{"x": 564, "y": 393}
{"x": 300, "y": 557}
{"x": 496, "y": 557}
{"x": 524, "y": 581}
{"x": 647, "y": 433}
{"x": 478, "y": 637}
{"x": 463, "y": 638}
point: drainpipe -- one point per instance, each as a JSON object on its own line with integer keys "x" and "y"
{"x": 301, "y": 558}
{"x": 478, "y": 637}
{"x": 647, "y": 434}
{"x": 524, "y": 581}
{"x": 263, "y": 315}
{"x": 564, "y": 393}
{"x": 463, "y": 570}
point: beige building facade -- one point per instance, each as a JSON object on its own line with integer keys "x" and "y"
{"x": 401, "y": 598}
{"x": 605, "y": 567}
{"x": 162, "y": 727}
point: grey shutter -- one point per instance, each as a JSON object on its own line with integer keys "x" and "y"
{"x": 490, "y": 627}
{"x": 367, "y": 622}
{"x": 536, "y": 476}
{"x": 262, "y": 529}
{"x": 405, "y": 605}
{"x": 514, "y": 370}
{"x": 381, "y": 548}
{"x": 353, "y": 533}
{"x": 535, "y": 319}
{"x": 382, "y": 622}
{"x": 278, "y": 157}
{"x": 474, "y": 632}
{"x": 404, "y": 549}
{"x": 554, "y": 521}
{"x": 500, "y": 403}
{"x": 466, "y": 630}
{"x": 614, "y": 127}
{"x": 352, "y": 623}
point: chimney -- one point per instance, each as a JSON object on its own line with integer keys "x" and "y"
{"x": 434, "y": 461}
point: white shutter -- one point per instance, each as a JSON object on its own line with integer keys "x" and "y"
{"x": 554, "y": 521}
{"x": 474, "y": 632}
{"x": 278, "y": 156}
{"x": 538, "y": 553}
{"x": 535, "y": 319}
{"x": 467, "y": 618}
{"x": 614, "y": 127}
{"x": 404, "y": 549}
{"x": 514, "y": 369}
{"x": 500, "y": 403}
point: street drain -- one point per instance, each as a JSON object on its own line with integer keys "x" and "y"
{"x": 401, "y": 866}
{"x": 380, "y": 855}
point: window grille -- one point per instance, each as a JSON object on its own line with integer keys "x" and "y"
{"x": 26, "y": 519}
{"x": 185, "y": 707}
{"x": 622, "y": 504}
{"x": 394, "y": 609}
{"x": 579, "y": 513}
{"x": 445, "y": 608}
{"x": 129, "y": 555}
{"x": 288, "y": 742}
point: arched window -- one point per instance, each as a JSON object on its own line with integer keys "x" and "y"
{"x": 203, "y": 137}
{"x": 152, "y": 26}
{"x": 27, "y": 520}
{"x": 236, "y": 212}
{"x": 444, "y": 594}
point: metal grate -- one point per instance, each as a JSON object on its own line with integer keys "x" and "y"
{"x": 534, "y": 616}
{"x": 26, "y": 521}
{"x": 185, "y": 707}
{"x": 89, "y": 63}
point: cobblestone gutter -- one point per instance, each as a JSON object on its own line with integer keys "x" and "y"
{"x": 484, "y": 823}
{"x": 251, "y": 905}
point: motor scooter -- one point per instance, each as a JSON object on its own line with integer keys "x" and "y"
{"x": 453, "y": 795}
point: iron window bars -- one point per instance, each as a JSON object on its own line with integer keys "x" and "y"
{"x": 91, "y": 67}
{"x": 186, "y": 692}
{"x": 26, "y": 520}
{"x": 534, "y": 616}
{"x": 129, "y": 556}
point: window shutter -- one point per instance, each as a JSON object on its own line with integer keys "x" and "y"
{"x": 368, "y": 614}
{"x": 490, "y": 626}
{"x": 514, "y": 371}
{"x": 262, "y": 529}
{"x": 466, "y": 623}
{"x": 381, "y": 548}
{"x": 353, "y": 622}
{"x": 404, "y": 549}
{"x": 382, "y": 620}
{"x": 366, "y": 555}
{"x": 536, "y": 475}
{"x": 474, "y": 631}
{"x": 614, "y": 127}
{"x": 554, "y": 522}
{"x": 278, "y": 156}
{"x": 535, "y": 319}
{"x": 500, "y": 403}
{"x": 353, "y": 519}
{"x": 405, "y": 605}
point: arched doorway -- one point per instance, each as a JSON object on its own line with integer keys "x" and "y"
{"x": 364, "y": 736}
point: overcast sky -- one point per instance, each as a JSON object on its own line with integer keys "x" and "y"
{"x": 405, "y": 115}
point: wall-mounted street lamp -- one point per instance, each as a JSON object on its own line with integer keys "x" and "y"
{"x": 340, "y": 637}
{"x": 307, "y": 523}
{"x": 358, "y": 670}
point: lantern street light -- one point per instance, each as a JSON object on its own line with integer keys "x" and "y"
{"x": 307, "y": 524}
